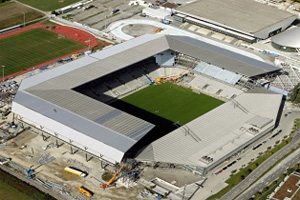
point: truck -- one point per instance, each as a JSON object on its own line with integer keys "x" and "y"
{"x": 75, "y": 171}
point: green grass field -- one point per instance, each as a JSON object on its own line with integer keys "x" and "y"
{"x": 8, "y": 192}
{"x": 162, "y": 105}
{"x": 172, "y": 102}
{"x": 50, "y": 5}
{"x": 33, "y": 47}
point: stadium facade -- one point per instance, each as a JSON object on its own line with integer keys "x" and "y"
{"x": 244, "y": 19}
{"x": 52, "y": 102}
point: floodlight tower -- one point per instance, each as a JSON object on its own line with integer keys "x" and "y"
{"x": 3, "y": 72}
{"x": 24, "y": 19}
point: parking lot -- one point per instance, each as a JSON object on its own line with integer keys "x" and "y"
{"x": 100, "y": 14}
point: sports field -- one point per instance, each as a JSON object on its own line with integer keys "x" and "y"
{"x": 172, "y": 102}
{"x": 50, "y": 5}
{"x": 33, "y": 47}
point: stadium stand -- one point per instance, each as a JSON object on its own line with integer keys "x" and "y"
{"x": 224, "y": 132}
{"x": 213, "y": 87}
{"x": 218, "y": 73}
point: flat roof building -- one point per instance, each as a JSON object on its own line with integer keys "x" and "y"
{"x": 240, "y": 16}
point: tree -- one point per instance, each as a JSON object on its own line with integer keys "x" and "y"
{"x": 295, "y": 94}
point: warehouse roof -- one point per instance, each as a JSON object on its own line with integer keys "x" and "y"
{"x": 247, "y": 16}
{"x": 216, "y": 133}
{"x": 288, "y": 38}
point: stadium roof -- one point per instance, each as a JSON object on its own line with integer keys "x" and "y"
{"x": 51, "y": 93}
{"x": 219, "y": 57}
{"x": 247, "y": 16}
{"x": 288, "y": 38}
{"x": 222, "y": 131}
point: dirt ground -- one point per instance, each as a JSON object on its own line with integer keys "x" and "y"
{"x": 54, "y": 170}
{"x": 12, "y": 10}
{"x": 138, "y": 29}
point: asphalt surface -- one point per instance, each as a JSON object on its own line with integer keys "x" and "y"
{"x": 232, "y": 194}
{"x": 269, "y": 178}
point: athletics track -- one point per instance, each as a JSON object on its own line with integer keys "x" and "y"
{"x": 68, "y": 32}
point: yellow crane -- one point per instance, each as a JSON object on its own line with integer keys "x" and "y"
{"x": 112, "y": 178}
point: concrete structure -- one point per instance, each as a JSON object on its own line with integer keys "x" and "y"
{"x": 288, "y": 40}
{"x": 244, "y": 19}
{"x": 52, "y": 102}
{"x": 209, "y": 140}
{"x": 157, "y": 13}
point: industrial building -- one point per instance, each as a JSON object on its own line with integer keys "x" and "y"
{"x": 71, "y": 102}
{"x": 288, "y": 41}
{"x": 245, "y": 19}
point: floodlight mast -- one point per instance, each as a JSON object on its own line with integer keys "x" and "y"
{"x": 24, "y": 19}
{"x": 3, "y": 72}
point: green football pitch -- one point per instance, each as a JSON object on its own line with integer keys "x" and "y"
{"x": 33, "y": 47}
{"x": 48, "y": 5}
{"x": 169, "y": 102}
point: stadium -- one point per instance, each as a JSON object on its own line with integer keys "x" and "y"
{"x": 247, "y": 20}
{"x": 74, "y": 103}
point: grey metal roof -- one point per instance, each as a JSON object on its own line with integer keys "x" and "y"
{"x": 259, "y": 121}
{"x": 52, "y": 90}
{"x": 219, "y": 57}
{"x": 288, "y": 38}
{"x": 76, "y": 122}
{"x": 246, "y": 16}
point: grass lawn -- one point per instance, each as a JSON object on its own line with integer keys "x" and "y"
{"x": 172, "y": 102}
{"x": 33, "y": 47}
{"x": 50, "y": 5}
{"x": 8, "y": 192}
{"x": 13, "y": 14}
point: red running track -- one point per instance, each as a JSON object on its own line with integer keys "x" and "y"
{"x": 69, "y": 32}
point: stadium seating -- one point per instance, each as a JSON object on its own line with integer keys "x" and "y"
{"x": 218, "y": 73}
{"x": 213, "y": 87}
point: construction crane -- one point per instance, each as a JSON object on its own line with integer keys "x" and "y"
{"x": 164, "y": 78}
{"x": 182, "y": 73}
{"x": 112, "y": 178}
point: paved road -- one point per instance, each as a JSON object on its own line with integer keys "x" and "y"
{"x": 270, "y": 177}
{"x": 261, "y": 169}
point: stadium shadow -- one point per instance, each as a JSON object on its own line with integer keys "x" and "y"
{"x": 162, "y": 125}
{"x": 280, "y": 111}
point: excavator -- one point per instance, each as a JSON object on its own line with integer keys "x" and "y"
{"x": 112, "y": 178}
